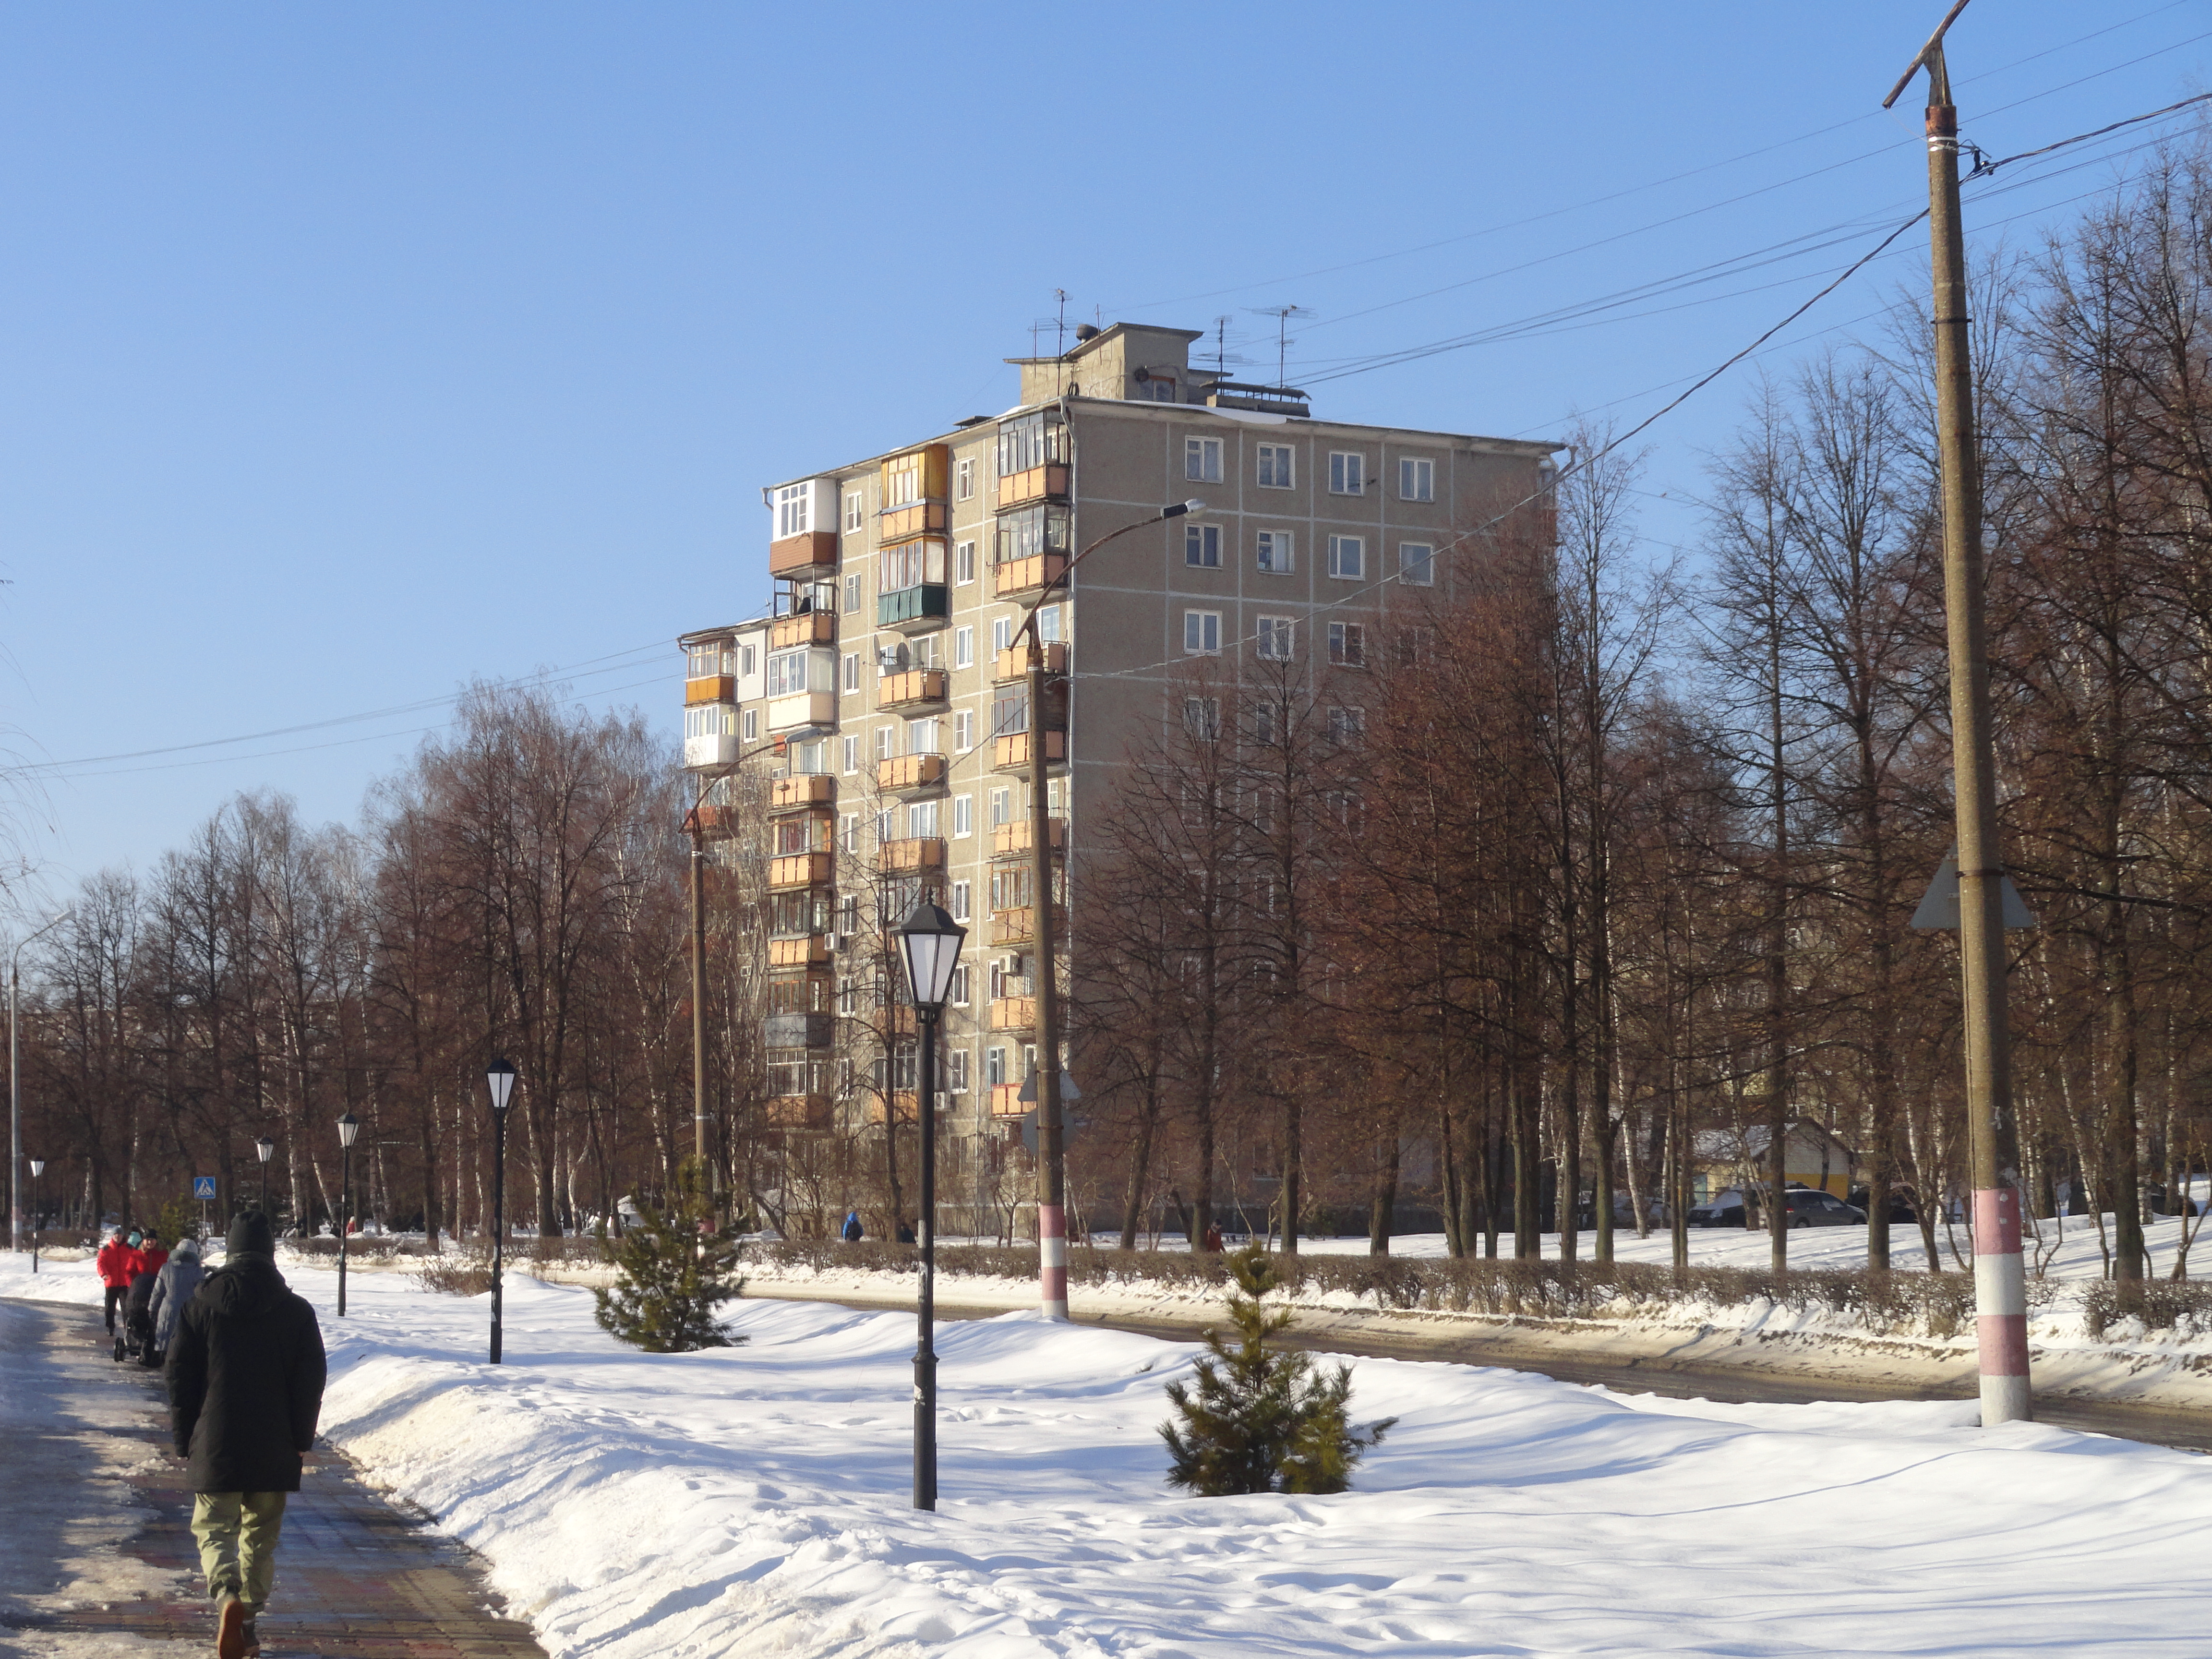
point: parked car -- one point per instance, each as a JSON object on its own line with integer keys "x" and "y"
{"x": 1810, "y": 1208}
{"x": 1901, "y": 1213}
{"x": 1723, "y": 1209}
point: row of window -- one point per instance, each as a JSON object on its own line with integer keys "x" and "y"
{"x": 1276, "y": 554}
{"x": 898, "y": 1070}
{"x": 926, "y": 820}
{"x": 1278, "y": 469}
{"x": 1274, "y": 639}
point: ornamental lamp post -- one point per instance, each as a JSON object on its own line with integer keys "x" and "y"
{"x": 265, "y": 1149}
{"x": 349, "y": 1126}
{"x": 499, "y": 1074}
{"x": 38, "y": 1207}
{"x": 929, "y": 940}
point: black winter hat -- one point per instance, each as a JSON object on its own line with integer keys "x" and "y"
{"x": 250, "y": 1235}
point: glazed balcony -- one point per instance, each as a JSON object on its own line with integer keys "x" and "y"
{"x": 711, "y": 750}
{"x": 1006, "y": 1101}
{"x": 1009, "y": 839}
{"x": 802, "y": 1112}
{"x": 904, "y": 1104}
{"x": 806, "y": 789}
{"x": 896, "y": 524}
{"x": 803, "y": 555}
{"x": 1011, "y": 752}
{"x": 710, "y": 688}
{"x": 802, "y": 709}
{"x": 917, "y": 688}
{"x": 799, "y": 1030}
{"x": 913, "y": 853}
{"x": 1047, "y": 482}
{"x": 1018, "y": 926}
{"x": 806, "y": 996}
{"x": 908, "y": 774}
{"x": 1026, "y": 575}
{"x": 1013, "y": 663}
{"x": 893, "y": 1019}
{"x": 915, "y": 609}
{"x": 1013, "y": 1014}
{"x": 807, "y": 628}
{"x": 798, "y": 870}
{"x": 715, "y": 822}
{"x": 806, "y": 950}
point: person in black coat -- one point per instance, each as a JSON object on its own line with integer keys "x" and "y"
{"x": 245, "y": 1376}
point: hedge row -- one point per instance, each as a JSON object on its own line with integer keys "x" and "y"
{"x": 2162, "y": 1304}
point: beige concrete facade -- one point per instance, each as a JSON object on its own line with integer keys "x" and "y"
{"x": 1300, "y": 522}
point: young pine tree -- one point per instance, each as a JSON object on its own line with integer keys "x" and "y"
{"x": 1259, "y": 1420}
{"x": 670, "y": 1276}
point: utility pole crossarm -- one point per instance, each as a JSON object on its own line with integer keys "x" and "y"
{"x": 1931, "y": 59}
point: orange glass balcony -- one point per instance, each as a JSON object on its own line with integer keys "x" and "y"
{"x": 1014, "y": 662}
{"x": 914, "y": 853}
{"x": 898, "y": 524}
{"x": 805, "y": 952}
{"x": 893, "y": 1019}
{"x": 799, "y": 870}
{"x": 799, "y": 556}
{"x": 1047, "y": 482}
{"x": 1013, "y": 1014}
{"x": 1011, "y": 752}
{"x": 808, "y": 628}
{"x": 912, "y": 688}
{"x": 710, "y": 688}
{"x": 1021, "y": 575}
{"x": 1011, "y": 838}
{"x": 802, "y": 1112}
{"x": 1018, "y": 926}
{"x": 906, "y": 772}
{"x": 807, "y": 789}
{"x": 1007, "y": 1100}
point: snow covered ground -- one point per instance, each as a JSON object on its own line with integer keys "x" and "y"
{"x": 753, "y": 1501}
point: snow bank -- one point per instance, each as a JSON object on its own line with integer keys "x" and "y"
{"x": 753, "y": 1502}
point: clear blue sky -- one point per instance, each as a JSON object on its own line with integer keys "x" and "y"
{"x": 351, "y": 351}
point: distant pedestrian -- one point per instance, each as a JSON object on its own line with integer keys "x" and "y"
{"x": 112, "y": 1264}
{"x": 850, "y": 1232}
{"x": 905, "y": 1233}
{"x": 1212, "y": 1239}
{"x": 245, "y": 1377}
{"x": 174, "y": 1286}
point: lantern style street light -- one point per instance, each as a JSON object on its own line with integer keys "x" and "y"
{"x": 265, "y": 1149}
{"x": 38, "y": 1207}
{"x": 349, "y": 1126}
{"x": 499, "y": 1074}
{"x": 929, "y": 940}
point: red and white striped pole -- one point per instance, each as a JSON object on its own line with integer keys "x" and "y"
{"x": 1052, "y": 1260}
{"x": 2000, "y": 1305}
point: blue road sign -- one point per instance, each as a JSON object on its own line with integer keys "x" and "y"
{"x": 202, "y": 1186}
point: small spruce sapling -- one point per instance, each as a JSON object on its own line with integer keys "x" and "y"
{"x": 1258, "y": 1420}
{"x": 672, "y": 1274}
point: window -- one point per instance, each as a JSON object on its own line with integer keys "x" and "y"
{"x": 963, "y": 730}
{"x": 852, "y": 754}
{"x": 1414, "y": 645}
{"x": 994, "y": 1068}
{"x": 1202, "y": 633}
{"x": 1347, "y": 725}
{"x": 1263, "y": 726}
{"x": 1275, "y": 552}
{"x": 963, "y": 815}
{"x": 886, "y": 742}
{"x": 963, "y": 479}
{"x": 709, "y": 720}
{"x": 909, "y": 564}
{"x": 883, "y": 824}
{"x": 922, "y": 737}
{"x": 1201, "y": 546}
{"x": 956, "y": 1068}
{"x": 854, "y": 517}
{"x": 849, "y": 914}
{"x": 787, "y": 673}
{"x": 852, "y": 596}
{"x": 793, "y": 510}
{"x": 963, "y": 644}
{"x": 848, "y": 832}
{"x": 1030, "y": 440}
{"x": 1277, "y": 634}
{"x": 1202, "y": 717}
{"x": 959, "y": 998}
{"x": 921, "y": 820}
{"x": 1347, "y": 644}
{"x": 1002, "y": 807}
{"x": 1348, "y": 557}
{"x": 1275, "y": 466}
{"x": 852, "y": 672}
{"x": 704, "y": 661}
{"x": 1002, "y": 633}
{"x": 744, "y": 660}
{"x": 1417, "y": 564}
{"x": 806, "y": 757}
{"x": 1416, "y": 479}
{"x": 1347, "y": 473}
{"x": 1201, "y": 460}
{"x": 752, "y": 726}
{"x": 1047, "y": 624}
{"x": 964, "y": 563}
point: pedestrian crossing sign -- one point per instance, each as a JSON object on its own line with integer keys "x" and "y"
{"x": 202, "y": 1186}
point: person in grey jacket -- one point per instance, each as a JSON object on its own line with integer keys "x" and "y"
{"x": 180, "y": 1277}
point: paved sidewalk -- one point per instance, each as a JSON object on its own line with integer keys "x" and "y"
{"x": 96, "y": 1555}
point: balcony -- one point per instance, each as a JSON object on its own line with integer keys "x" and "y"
{"x": 802, "y": 1112}
{"x": 913, "y": 853}
{"x": 1022, "y": 576}
{"x": 715, "y": 822}
{"x": 710, "y": 749}
{"x": 910, "y": 774}
{"x": 905, "y": 1102}
{"x": 1011, "y": 838}
{"x": 710, "y": 688}
{"x": 807, "y": 628}
{"x": 1047, "y": 482}
{"x": 805, "y": 789}
{"x": 807, "y": 951}
{"x": 798, "y": 870}
{"x": 1018, "y": 927}
{"x": 915, "y": 609}
{"x": 1006, "y": 1101}
{"x": 802, "y": 709}
{"x": 915, "y": 688}
{"x": 896, "y": 524}
{"x": 1013, "y": 1014}
{"x": 801, "y": 996}
{"x": 1014, "y": 663}
{"x": 803, "y": 555}
{"x": 1011, "y": 752}
{"x": 798, "y": 1030}
{"x": 893, "y": 1019}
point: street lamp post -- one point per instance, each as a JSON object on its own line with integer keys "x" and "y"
{"x": 265, "y": 1149}
{"x": 15, "y": 1092}
{"x": 349, "y": 1126}
{"x": 38, "y": 1207}
{"x": 930, "y": 941}
{"x": 499, "y": 1074}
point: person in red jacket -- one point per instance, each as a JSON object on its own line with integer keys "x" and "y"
{"x": 151, "y": 1256}
{"x": 113, "y": 1265}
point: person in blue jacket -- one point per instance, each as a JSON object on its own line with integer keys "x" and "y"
{"x": 850, "y": 1232}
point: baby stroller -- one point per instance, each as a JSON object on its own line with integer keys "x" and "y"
{"x": 134, "y": 1340}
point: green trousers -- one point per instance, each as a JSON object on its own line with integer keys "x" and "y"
{"x": 236, "y": 1532}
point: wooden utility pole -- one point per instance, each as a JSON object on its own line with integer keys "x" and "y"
{"x": 1051, "y": 1155}
{"x": 2000, "y": 1281}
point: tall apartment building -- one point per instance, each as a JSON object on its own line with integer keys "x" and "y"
{"x": 887, "y": 680}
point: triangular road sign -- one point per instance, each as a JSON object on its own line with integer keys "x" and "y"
{"x": 1938, "y": 905}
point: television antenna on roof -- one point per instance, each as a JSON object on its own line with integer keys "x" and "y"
{"x": 1282, "y": 315}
